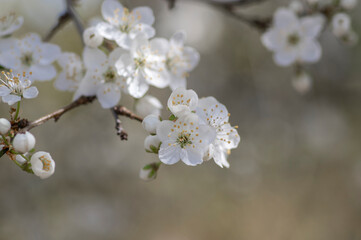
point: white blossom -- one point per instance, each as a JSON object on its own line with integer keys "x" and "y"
{"x": 151, "y": 143}
{"x": 42, "y": 164}
{"x": 14, "y": 87}
{"x": 122, "y": 25}
{"x": 294, "y": 39}
{"x": 144, "y": 65}
{"x": 150, "y": 123}
{"x": 71, "y": 74}
{"x": 101, "y": 78}
{"x": 348, "y": 4}
{"x": 24, "y": 142}
{"x": 215, "y": 115}
{"x": 182, "y": 140}
{"x": 148, "y": 105}
{"x": 302, "y": 82}
{"x": 92, "y": 38}
{"x": 341, "y": 24}
{"x": 5, "y": 126}
{"x": 20, "y": 159}
{"x": 180, "y": 60}
{"x": 182, "y": 102}
{"x": 30, "y": 54}
{"x": 10, "y": 23}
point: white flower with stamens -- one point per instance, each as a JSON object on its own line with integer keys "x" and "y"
{"x": 294, "y": 39}
{"x": 5, "y": 126}
{"x": 14, "y": 87}
{"x": 122, "y": 25}
{"x": 42, "y": 164}
{"x": 101, "y": 78}
{"x": 150, "y": 123}
{"x": 182, "y": 140}
{"x": 144, "y": 65}
{"x": 10, "y": 23}
{"x": 215, "y": 115}
{"x": 182, "y": 102}
{"x": 180, "y": 60}
{"x": 30, "y": 54}
{"x": 148, "y": 105}
{"x": 24, "y": 142}
{"x": 72, "y": 72}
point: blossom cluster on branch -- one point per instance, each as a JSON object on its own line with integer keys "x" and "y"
{"x": 293, "y": 36}
{"x": 121, "y": 56}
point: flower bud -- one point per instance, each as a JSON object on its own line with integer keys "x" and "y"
{"x": 5, "y": 126}
{"x": 148, "y": 105}
{"x": 151, "y": 144}
{"x": 149, "y": 171}
{"x": 92, "y": 38}
{"x": 42, "y": 164}
{"x": 341, "y": 24}
{"x": 150, "y": 123}
{"x": 24, "y": 142}
{"x": 302, "y": 82}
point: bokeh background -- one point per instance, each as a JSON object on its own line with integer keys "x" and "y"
{"x": 296, "y": 174}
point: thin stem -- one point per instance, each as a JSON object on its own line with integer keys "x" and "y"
{"x": 17, "y": 111}
{"x": 83, "y": 100}
{"x": 5, "y": 141}
{"x": 118, "y": 126}
{"x": 123, "y": 111}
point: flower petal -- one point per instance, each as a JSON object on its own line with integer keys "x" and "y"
{"x": 93, "y": 58}
{"x": 144, "y": 15}
{"x": 108, "y": 95}
{"x": 310, "y": 51}
{"x": 4, "y": 91}
{"x": 11, "y": 99}
{"x": 137, "y": 86}
{"x": 112, "y": 11}
{"x": 312, "y": 26}
{"x": 169, "y": 154}
{"x": 42, "y": 73}
{"x": 31, "y": 92}
{"x": 191, "y": 158}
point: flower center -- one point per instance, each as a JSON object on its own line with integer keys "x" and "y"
{"x": 293, "y": 39}
{"x": 27, "y": 59}
{"x": 46, "y": 163}
{"x": 109, "y": 76}
{"x": 183, "y": 140}
{"x": 139, "y": 62}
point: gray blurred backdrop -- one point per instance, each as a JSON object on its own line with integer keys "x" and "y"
{"x": 295, "y": 176}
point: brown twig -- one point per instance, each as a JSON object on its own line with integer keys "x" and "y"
{"x": 118, "y": 126}
{"x": 69, "y": 14}
{"x": 123, "y": 111}
{"x": 83, "y": 100}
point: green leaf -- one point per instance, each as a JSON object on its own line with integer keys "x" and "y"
{"x": 172, "y": 117}
{"x": 154, "y": 149}
{"x": 146, "y": 167}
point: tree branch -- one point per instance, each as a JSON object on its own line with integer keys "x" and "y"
{"x": 58, "y": 113}
{"x": 118, "y": 126}
{"x": 69, "y": 14}
{"x": 123, "y": 111}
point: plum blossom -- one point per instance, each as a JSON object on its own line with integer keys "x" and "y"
{"x": 294, "y": 39}
{"x": 71, "y": 74}
{"x": 10, "y": 23}
{"x": 24, "y": 142}
{"x": 215, "y": 115}
{"x": 180, "y": 60}
{"x": 122, "y": 25}
{"x": 144, "y": 65}
{"x": 183, "y": 140}
{"x": 14, "y": 87}
{"x": 30, "y": 54}
{"x": 42, "y": 164}
{"x": 182, "y": 102}
{"x": 101, "y": 78}
{"x": 92, "y": 38}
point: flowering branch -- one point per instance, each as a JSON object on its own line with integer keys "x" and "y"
{"x": 83, "y": 100}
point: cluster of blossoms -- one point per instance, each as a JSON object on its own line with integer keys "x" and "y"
{"x": 198, "y": 130}
{"x": 134, "y": 62}
{"x": 293, "y": 36}
{"x": 121, "y": 56}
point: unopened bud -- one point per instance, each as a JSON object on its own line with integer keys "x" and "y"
{"x": 150, "y": 123}
{"x": 92, "y": 38}
{"x": 24, "y": 142}
{"x": 5, "y": 126}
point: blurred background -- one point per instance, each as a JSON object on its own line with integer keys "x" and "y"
{"x": 295, "y": 175}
